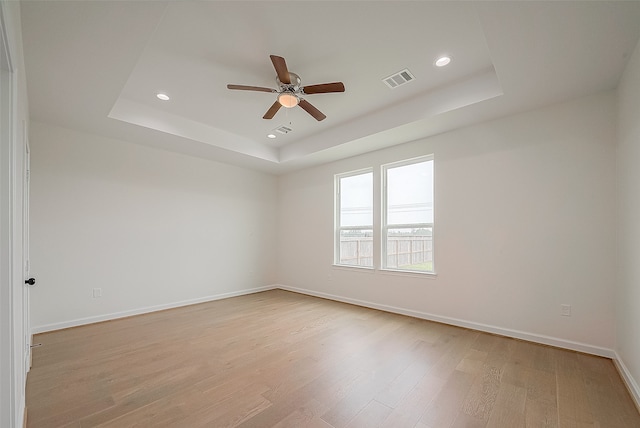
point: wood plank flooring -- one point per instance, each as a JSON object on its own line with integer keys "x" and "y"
{"x": 280, "y": 359}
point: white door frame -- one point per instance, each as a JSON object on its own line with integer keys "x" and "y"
{"x": 7, "y": 389}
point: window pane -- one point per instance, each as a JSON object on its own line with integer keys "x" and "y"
{"x": 408, "y": 216}
{"x": 410, "y": 193}
{"x": 410, "y": 249}
{"x": 356, "y": 247}
{"x": 356, "y": 200}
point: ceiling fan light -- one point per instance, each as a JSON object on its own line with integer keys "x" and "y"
{"x": 288, "y": 100}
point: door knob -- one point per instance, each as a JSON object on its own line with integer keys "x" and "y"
{"x": 30, "y": 281}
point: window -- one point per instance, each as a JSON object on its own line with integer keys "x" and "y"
{"x": 354, "y": 219}
{"x": 403, "y": 216}
{"x": 407, "y": 215}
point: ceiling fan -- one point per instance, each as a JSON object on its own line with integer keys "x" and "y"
{"x": 290, "y": 90}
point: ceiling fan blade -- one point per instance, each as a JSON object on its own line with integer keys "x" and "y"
{"x": 281, "y": 69}
{"x": 324, "y": 88}
{"x": 272, "y": 111}
{"x": 317, "y": 114}
{"x": 251, "y": 88}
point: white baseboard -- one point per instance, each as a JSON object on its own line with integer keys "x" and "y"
{"x": 537, "y": 338}
{"x": 144, "y": 310}
{"x": 21, "y": 417}
{"x": 631, "y": 383}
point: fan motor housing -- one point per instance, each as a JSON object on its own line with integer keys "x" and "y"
{"x": 293, "y": 86}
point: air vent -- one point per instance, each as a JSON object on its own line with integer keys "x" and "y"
{"x": 283, "y": 129}
{"x": 400, "y": 78}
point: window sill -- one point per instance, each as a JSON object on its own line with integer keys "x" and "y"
{"x": 351, "y": 267}
{"x": 411, "y": 273}
{"x": 394, "y": 272}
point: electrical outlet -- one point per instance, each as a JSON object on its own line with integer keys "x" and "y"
{"x": 97, "y": 292}
{"x": 565, "y": 310}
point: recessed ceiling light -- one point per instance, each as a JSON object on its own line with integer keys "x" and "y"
{"x": 163, "y": 97}
{"x": 442, "y": 61}
{"x": 271, "y": 136}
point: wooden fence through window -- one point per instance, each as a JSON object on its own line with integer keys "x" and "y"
{"x": 402, "y": 251}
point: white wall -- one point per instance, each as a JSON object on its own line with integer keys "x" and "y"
{"x": 628, "y": 298}
{"x": 150, "y": 228}
{"x": 524, "y": 222}
{"x": 14, "y": 329}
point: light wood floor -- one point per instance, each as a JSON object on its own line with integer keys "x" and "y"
{"x": 279, "y": 359}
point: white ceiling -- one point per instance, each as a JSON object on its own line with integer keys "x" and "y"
{"x": 96, "y": 66}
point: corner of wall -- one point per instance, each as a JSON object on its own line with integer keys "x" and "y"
{"x": 627, "y": 288}
{"x": 629, "y": 381}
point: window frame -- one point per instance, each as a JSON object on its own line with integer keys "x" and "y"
{"x": 338, "y": 228}
{"x": 384, "y": 226}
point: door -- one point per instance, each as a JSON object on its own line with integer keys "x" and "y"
{"x": 26, "y": 319}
